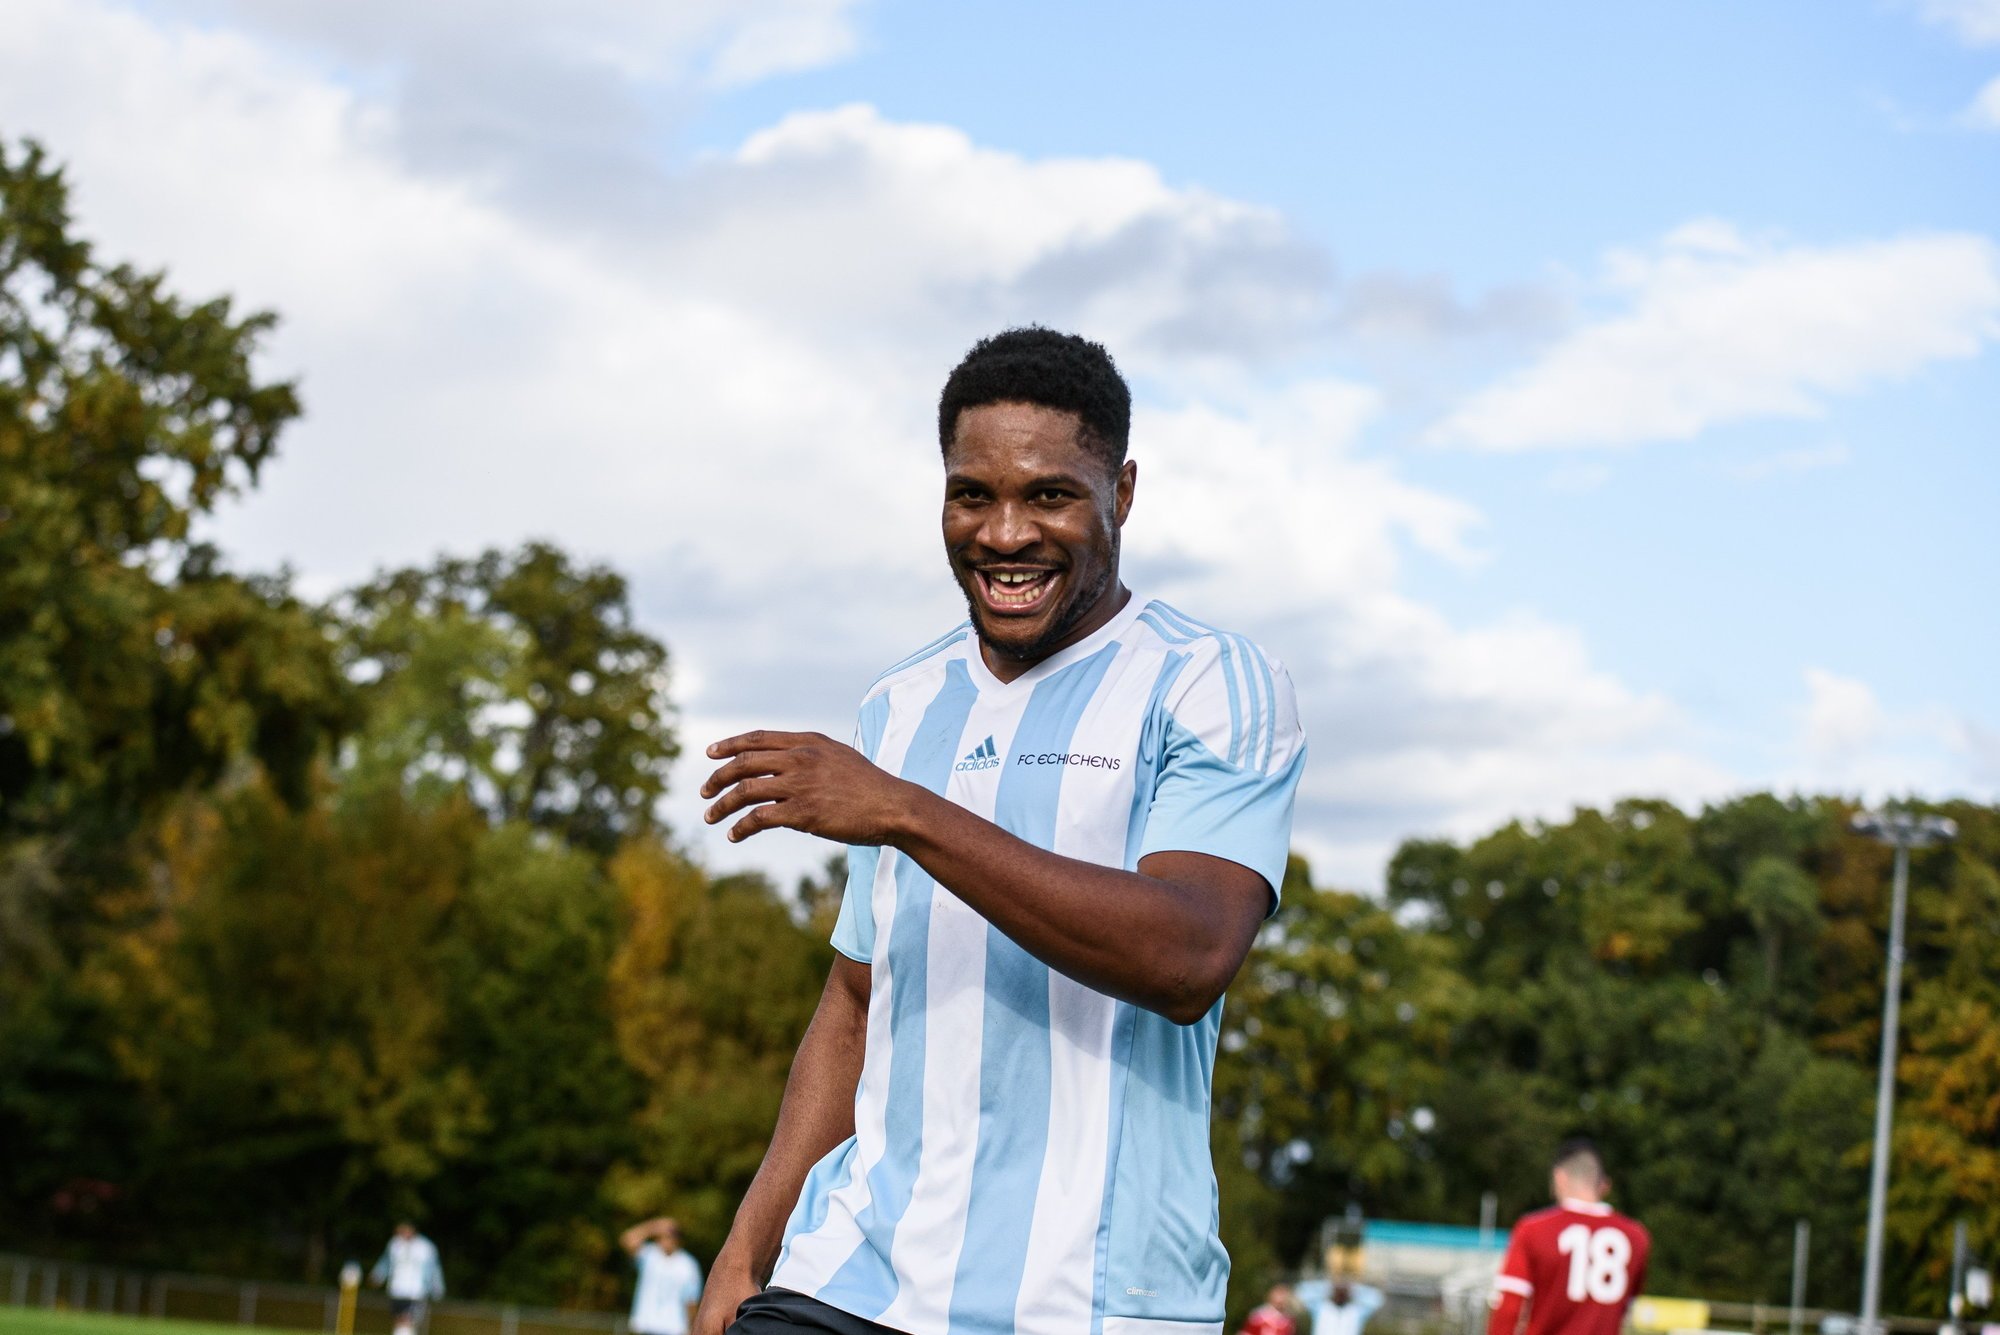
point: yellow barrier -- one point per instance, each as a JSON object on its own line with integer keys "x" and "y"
{"x": 1669, "y": 1314}
{"x": 350, "y": 1290}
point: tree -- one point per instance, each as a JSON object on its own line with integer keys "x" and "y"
{"x": 521, "y": 680}
{"x": 132, "y": 667}
{"x": 525, "y": 969}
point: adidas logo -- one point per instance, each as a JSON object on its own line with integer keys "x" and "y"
{"x": 982, "y": 756}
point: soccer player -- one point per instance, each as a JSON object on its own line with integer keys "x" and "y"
{"x": 1577, "y": 1266}
{"x": 1067, "y": 818}
{"x": 669, "y": 1279}
{"x": 409, "y": 1269}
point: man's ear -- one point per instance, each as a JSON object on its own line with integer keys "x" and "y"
{"x": 1128, "y": 482}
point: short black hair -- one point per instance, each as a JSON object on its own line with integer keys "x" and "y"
{"x": 1043, "y": 366}
{"x": 1579, "y": 1155}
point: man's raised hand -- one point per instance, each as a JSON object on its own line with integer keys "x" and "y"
{"x": 805, "y": 781}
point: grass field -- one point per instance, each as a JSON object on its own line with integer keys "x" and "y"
{"x": 41, "y": 1321}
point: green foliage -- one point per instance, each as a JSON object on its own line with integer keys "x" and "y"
{"x": 1702, "y": 994}
{"x": 520, "y": 680}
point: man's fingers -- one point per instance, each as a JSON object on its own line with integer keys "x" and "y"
{"x": 758, "y": 789}
{"x": 760, "y": 739}
{"x": 768, "y": 816}
{"x": 744, "y": 766}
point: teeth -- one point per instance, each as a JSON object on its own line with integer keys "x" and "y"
{"x": 1017, "y": 588}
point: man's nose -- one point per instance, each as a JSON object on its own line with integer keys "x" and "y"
{"x": 1010, "y": 527}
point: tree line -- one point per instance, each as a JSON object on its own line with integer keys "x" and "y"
{"x": 315, "y": 913}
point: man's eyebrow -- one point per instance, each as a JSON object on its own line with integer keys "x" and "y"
{"x": 1046, "y": 480}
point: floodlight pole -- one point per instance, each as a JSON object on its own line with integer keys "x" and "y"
{"x": 1904, "y": 830}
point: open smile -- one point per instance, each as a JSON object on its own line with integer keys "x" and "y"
{"x": 1015, "y": 592}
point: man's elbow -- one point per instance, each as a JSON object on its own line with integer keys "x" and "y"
{"x": 1189, "y": 997}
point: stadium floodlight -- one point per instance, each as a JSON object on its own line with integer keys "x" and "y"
{"x": 1904, "y": 830}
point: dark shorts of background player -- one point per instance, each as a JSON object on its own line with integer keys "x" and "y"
{"x": 413, "y": 1308}
{"x": 783, "y": 1312}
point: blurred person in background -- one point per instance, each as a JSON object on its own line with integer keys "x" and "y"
{"x": 410, "y": 1271}
{"x": 669, "y": 1279}
{"x": 1577, "y": 1266}
{"x": 1339, "y": 1306}
{"x": 1274, "y": 1317}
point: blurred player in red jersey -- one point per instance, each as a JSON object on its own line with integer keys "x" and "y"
{"x": 1275, "y": 1316}
{"x": 1576, "y": 1267}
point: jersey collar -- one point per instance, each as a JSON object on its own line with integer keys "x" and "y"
{"x": 1121, "y": 621}
{"x": 1571, "y": 1203}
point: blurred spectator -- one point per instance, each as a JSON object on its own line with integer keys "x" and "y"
{"x": 669, "y": 1279}
{"x": 1275, "y": 1316}
{"x": 1338, "y": 1306}
{"x": 409, "y": 1269}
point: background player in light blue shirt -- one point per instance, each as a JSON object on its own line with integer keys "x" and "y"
{"x": 410, "y": 1271}
{"x": 669, "y": 1279}
{"x": 1067, "y": 818}
{"x": 1339, "y": 1306}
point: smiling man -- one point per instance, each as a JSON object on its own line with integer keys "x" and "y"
{"x": 1068, "y": 817}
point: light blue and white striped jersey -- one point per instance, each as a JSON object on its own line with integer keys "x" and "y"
{"x": 1031, "y": 1155}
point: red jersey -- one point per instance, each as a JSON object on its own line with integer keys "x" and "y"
{"x": 1268, "y": 1320}
{"x": 1577, "y": 1267}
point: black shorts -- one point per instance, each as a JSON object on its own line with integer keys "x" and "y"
{"x": 402, "y": 1307}
{"x": 783, "y": 1312}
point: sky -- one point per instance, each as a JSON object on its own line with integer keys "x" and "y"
{"x": 1582, "y": 401}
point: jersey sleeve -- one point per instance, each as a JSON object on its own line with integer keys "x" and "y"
{"x": 1511, "y": 1287}
{"x": 1232, "y": 754}
{"x": 1514, "y": 1276}
{"x": 854, "y": 928}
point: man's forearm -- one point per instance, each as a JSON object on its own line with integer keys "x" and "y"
{"x": 816, "y": 1115}
{"x": 1088, "y": 921}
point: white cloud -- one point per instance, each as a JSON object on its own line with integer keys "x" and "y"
{"x": 1841, "y": 715}
{"x": 1974, "y": 22}
{"x": 557, "y": 105}
{"x": 1722, "y": 327}
{"x": 1984, "y": 113}
{"x": 1849, "y": 741}
{"x": 467, "y": 43}
{"x": 798, "y": 35}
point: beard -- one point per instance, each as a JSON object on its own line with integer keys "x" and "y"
{"x": 1079, "y": 600}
